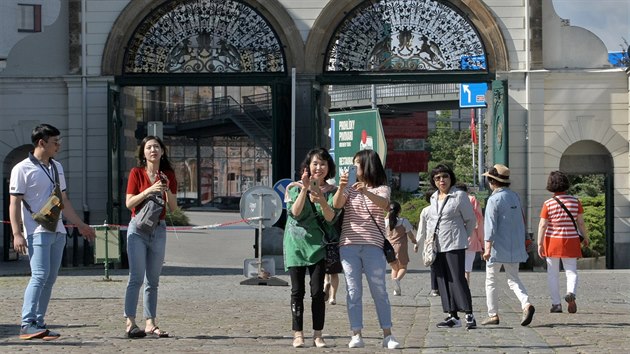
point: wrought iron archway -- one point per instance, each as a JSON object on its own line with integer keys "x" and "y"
{"x": 403, "y": 36}
{"x": 204, "y": 36}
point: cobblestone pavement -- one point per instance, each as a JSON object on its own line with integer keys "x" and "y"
{"x": 208, "y": 311}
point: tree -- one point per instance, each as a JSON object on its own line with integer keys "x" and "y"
{"x": 451, "y": 147}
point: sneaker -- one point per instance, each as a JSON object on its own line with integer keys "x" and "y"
{"x": 397, "y": 291}
{"x": 434, "y": 293}
{"x": 31, "y": 331}
{"x": 450, "y": 322}
{"x": 528, "y": 314}
{"x": 356, "y": 342}
{"x": 50, "y": 335}
{"x": 390, "y": 342}
{"x": 571, "y": 305}
{"x": 298, "y": 341}
{"x": 556, "y": 308}
{"x": 319, "y": 342}
{"x": 471, "y": 323}
{"x": 492, "y": 320}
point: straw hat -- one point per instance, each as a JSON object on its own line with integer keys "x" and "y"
{"x": 503, "y": 173}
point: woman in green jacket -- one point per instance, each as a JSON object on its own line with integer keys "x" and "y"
{"x": 309, "y": 215}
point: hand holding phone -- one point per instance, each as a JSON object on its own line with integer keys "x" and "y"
{"x": 352, "y": 175}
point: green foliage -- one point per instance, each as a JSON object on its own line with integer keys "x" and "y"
{"x": 451, "y": 147}
{"x": 586, "y": 185}
{"x": 177, "y": 218}
{"x": 594, "y": 218}
{"x": 411, "y": 209}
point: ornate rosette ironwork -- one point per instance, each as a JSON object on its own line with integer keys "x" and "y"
{"x": 405, "y": 35}
{"x": 204, "y": 36}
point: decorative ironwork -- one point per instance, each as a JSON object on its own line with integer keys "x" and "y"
{"x": 204, "y": 36}
{"x": 405, "y": 35}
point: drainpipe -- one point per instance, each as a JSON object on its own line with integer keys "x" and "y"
{"x": 86, "y": 209}
{"x": 528, "y": 187}
{"x": 293, "y": 93}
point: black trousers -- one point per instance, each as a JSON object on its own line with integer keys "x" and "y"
{"x": 317, "y": 273}
{"x": 452, "y": 284}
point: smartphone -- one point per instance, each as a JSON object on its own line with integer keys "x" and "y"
{"x": 314, "y": 184}
{"x": 352, "y": 175}
{"x": 162, "y": 177}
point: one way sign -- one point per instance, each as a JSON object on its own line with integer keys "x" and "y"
{"x": 472, "y": 95}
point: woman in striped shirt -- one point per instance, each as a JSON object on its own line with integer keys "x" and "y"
{"x": 361, "y": 243}
{"x": 558, "y": 239}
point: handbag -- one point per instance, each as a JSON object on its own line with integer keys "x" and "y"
{"x": 48, "y": 215}
{"x": 572, "y": 219}
{"x": 331, "y": 247}
{"x": 388, "y": 249}
{"x": 148, "y": 218}
{"x": 429, "y": 251}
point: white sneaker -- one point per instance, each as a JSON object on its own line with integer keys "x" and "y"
{"x": 390, "y": 342}
{"x": 397, "y": 291}
{"x": 356, "y": 342}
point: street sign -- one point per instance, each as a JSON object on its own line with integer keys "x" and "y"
{"x": 475, "y": 62}
{"x": 281, "y": 188}
{"x": 472, "y": 95}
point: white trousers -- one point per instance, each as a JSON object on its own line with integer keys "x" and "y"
{"x": 553, "y": 277}
{"x": 513, "y": 280}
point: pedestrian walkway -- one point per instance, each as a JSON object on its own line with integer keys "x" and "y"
{"x": 208, "y": 311}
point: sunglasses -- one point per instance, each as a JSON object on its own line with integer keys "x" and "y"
{"x": 442, "y": 176}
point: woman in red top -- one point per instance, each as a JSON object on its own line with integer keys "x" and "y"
{"x": 153, "y": 177}
{"x": 558, "y": 239}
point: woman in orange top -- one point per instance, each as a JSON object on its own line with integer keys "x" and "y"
{"x": 558, "y": 239}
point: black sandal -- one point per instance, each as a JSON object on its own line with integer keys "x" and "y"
{"x": 157, "y": 332}
{"x": 135, "y": 332}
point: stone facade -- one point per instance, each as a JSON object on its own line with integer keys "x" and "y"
{"x": 563, "y": 94}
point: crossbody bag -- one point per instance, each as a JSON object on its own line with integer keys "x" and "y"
{"x": 48, "y": 215}
{"x": 388, "y": 249}
{"x": 429, "y": 251}
{"x": 572, "y": 219}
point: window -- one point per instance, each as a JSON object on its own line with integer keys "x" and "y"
{"x": 29, "y": 18}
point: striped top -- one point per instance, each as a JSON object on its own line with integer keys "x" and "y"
{"x": 358, "y": 228}
{"x": 561, "y": 237}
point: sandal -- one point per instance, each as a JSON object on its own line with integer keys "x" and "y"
{"x": 157, "y": 332}
{"x": 135, "y": 332}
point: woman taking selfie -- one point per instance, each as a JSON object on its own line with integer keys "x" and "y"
{"x": 309, "y": 217}
{"x": 361, "y": 244}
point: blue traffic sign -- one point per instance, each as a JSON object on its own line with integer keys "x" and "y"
{"x": 281, "y": 188}
{"x": 475, "y": 62}
{"x": 472, "y": 95}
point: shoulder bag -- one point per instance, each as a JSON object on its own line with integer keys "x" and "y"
{"x": 388, "y": 249}
{"x": 429, "y": 252}
{"x": 331, "y": 247}
{"x": 148, "y": 217}
{"x": 572, "y": 219}
{"x": 48, "y": 215}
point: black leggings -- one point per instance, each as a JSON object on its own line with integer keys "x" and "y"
{"x": 317, "y": 273}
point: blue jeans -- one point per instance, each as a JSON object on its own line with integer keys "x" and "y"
{"x": 146, "y": 256}
{"x": 45, "y": 250}
{"x": 368, "y": 259}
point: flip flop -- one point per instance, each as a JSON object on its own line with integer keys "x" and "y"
{"x": 157, "y": 332}
{"x": 135, "y": 332}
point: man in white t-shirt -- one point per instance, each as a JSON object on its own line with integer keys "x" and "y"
{"x": 32, "y": 182}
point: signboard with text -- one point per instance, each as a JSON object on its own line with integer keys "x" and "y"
{"x": 354, "y": 131}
